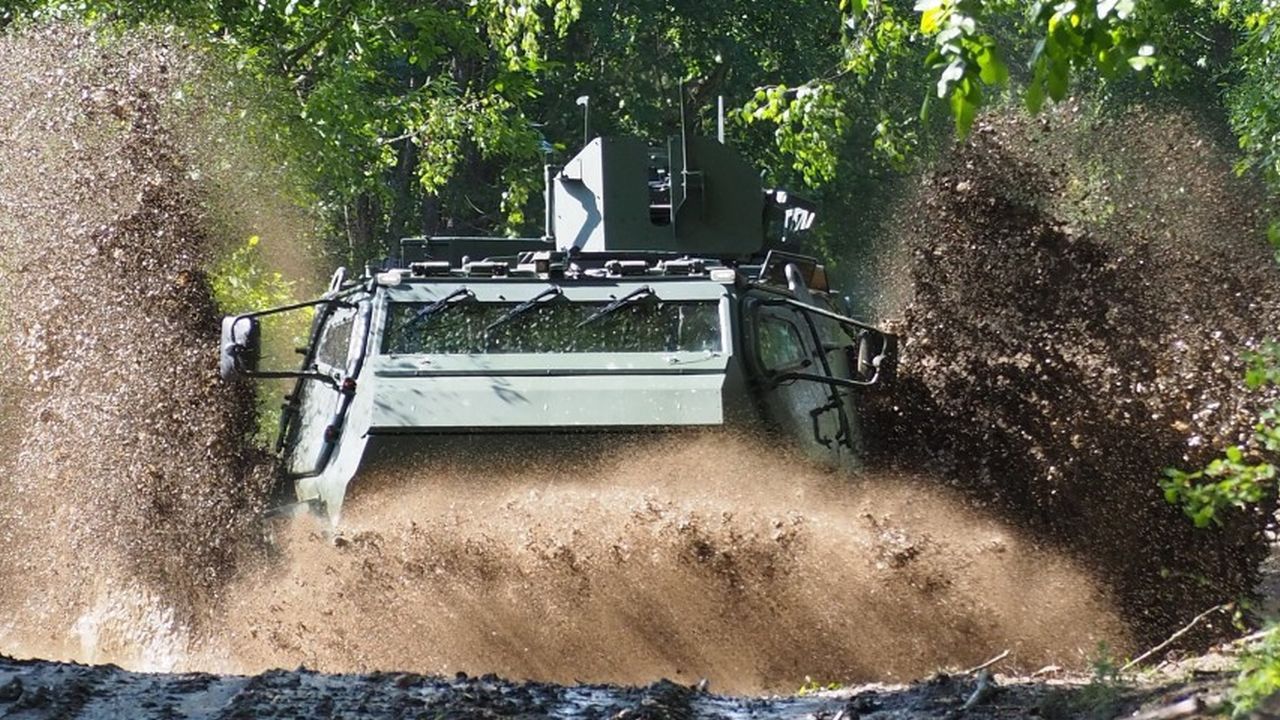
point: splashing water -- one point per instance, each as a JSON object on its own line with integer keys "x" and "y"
{"x": 682, "y": 557}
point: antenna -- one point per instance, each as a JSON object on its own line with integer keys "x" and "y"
{"x": 684, "y": 142}
{"x": 690, "y": 180}
{"x": 720, "y": 118}
{"x": 584, "y": 102}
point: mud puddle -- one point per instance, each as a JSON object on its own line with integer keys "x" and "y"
{"x": 681, "y": 557}
{"x": 42, "y": 689}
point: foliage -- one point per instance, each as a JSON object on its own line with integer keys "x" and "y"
{"x": 791, "y": 107}
{"x": 1242, "y": 476}
{"x": 419, "y": 119}
{"x": 809, "y": 120}
{"x": 1254, "y": 99}
{"x": 870, "y": 90}
{"x": 390, "y": 97}
{"x": 241, "y": 283}
{"x": 1259, "y": 675}
{"x": 1068, "y": 36}
{"x": 813, "y": 687}
{"x": 1196, "y": 48}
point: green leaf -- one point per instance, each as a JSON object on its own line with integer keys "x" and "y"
{"x": 1203, "y": 516}
{"x": 1034, "y": 98}
{"x": 1108, "y": 62}
{"x": 992, "y": 69}
{"x": 1057, "y": 80}
{"x": 964, "y": 109}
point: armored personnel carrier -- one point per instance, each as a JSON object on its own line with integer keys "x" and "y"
{"x": 663, "y": 295}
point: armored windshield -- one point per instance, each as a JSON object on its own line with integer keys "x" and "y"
{"x": 554, "y": 326}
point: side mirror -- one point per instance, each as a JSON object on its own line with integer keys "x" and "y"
{"x": 875, "y": 356}
{"x": 240, "y": 348}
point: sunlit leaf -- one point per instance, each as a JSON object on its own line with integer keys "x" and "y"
{"x": 964, "y": 109}
{"x": 992, "y": 68}
{"x": 953, "y": 73}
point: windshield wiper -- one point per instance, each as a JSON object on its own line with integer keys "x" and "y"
{"x": 524, "y": 307}
{"x": 640, "y": 293}
{"x": 438, "y": 306}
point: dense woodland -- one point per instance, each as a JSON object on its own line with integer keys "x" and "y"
{"x": 406, "y": 118}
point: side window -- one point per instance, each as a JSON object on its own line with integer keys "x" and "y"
{"x": 335, "y": 340}
{"x": 779, "y": 343}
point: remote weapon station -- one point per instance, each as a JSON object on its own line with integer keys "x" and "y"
{"x": 662, "y": 295}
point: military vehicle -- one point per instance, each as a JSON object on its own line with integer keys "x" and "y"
{"x": 664, "y": 294}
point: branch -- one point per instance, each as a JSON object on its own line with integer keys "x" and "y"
{"x": 1190, "y": 707}
{"x": 835, "y": 74}
{"x": 988, "y": 663}
{"x": 402, "y": 136}
{"x": 980, "y": 693}
{"x": 1251, "y": 637}
{"x": 1187, "y": 628}
{"x": 295, "y": 55}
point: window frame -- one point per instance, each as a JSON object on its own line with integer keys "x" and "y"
{"x": 763, "y": 317}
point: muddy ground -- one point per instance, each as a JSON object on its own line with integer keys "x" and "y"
{"x": 35, "y": 689}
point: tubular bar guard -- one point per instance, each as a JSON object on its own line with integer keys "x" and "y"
{"x": 322, "y": 377}
{"x": 886, "y": 346}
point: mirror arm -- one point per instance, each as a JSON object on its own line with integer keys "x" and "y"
{"x": 270, "y": 374}
{"x": 274, "y": 374}
{"x": 833, "y": 381}
{"x": 334, "y": 302}
{"x": 806, "y": 307}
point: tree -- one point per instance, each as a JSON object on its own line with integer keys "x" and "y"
{"x": 391, "y": 98}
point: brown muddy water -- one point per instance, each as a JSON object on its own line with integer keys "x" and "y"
{"x": 694, "y": 557}
{"x": 989, "y": 522}
{"x": 682, "y": 557}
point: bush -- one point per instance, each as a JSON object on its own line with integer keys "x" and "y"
{"x": 1242, "y": 476}
{"x": 1259, "y": 675}
{"x": 241, "y": 282}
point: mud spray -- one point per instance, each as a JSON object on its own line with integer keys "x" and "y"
{"x": 129, "y": 530}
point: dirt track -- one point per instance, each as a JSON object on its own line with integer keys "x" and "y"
{"x": 33, "y": 690}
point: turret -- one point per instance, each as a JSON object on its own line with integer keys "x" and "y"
{"x": 619, "y": 195}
